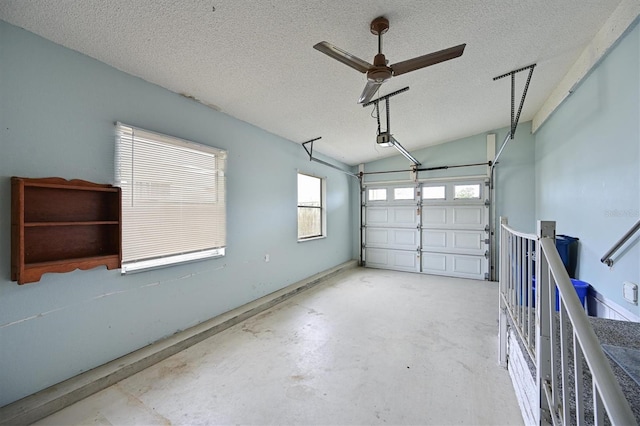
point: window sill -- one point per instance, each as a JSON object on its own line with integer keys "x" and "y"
{"x": 146, "y": 265}
{"x": 312, "y": 238}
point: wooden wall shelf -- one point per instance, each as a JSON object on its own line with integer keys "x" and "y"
{"x": 59, "y": 226}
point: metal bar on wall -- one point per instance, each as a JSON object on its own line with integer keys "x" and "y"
{"x": 606, "y": 259}
{"x": 317, "y": 160}
{"x": 427, "y": 169}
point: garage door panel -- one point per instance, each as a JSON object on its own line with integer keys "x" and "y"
{"x": 398, "y": 260}
{"x": 396, "y": 238}
{"x": 467, "y": 265}
{"x": 434, "y": 216}
{"x": 434, "y": 239}
{"x": 405, "y": 237}
{"x": 454, "y": 265}
{"x": 434, "y": 263}
{"x": 404, "y": 216}
{"x": 407, "y": 260}
{"x": 397, "y": 216}
{"x": 377, "y": 257}
{"x": 454, "y": 217}
{"x": 468, "y": 215}
{"x": 451, "y": 241}
{"x": 377, "y": 237}
{"x": 377, "y": 216}
{"x": 468, "y": 240}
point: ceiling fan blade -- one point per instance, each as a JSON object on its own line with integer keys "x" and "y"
{"x": 427, "y": 60}
{"x": 369, "y": 90}
{"x": 343, "y": 56}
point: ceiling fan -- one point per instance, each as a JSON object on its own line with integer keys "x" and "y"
{"x": 380, "y": 72}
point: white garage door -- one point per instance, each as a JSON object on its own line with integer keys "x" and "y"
{"x": 435, "y": 228}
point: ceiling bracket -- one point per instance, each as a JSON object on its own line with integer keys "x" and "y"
{"x": 317, "y": 160}
{"x": 310, "y": 150}
{"x": 515, "y": 118}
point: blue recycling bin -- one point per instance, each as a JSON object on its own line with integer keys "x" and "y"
{"x": 581, "y": 287}
{"x": 568, "y": 250}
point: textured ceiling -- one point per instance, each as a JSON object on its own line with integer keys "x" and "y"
{"x": 254, "y": 59}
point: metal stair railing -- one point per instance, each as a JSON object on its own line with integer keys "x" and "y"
{"x": 573, "y": 324}
{"x": 564, "y": 341}
{"x": 517, "y": 251}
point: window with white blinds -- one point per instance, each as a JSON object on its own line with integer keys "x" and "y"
{"x": 173, "y": 199}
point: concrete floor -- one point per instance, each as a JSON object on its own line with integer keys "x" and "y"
{"x": 365, "y": 347}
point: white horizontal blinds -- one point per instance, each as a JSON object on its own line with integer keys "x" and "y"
{"x": 173, "y": 195}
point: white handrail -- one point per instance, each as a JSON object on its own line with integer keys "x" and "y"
{"x": 614, "y": 401}
{"x": 546, "y": 334}
{"x": 520, "y": 234}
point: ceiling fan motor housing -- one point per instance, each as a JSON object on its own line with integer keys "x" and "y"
{"x": 380, "y": 72}
{"x": 379, "y": 75}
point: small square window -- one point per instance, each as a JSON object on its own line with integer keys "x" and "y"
{"x": 378, "y": 194}
{"x": 467, "y": 191}
{"x": 433, "y": 193}
{"x": 403, "y": 193}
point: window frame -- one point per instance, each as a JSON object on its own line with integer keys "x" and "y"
{"x": 209, "y": 199}
{"x": 322, "y": 207}
{"x": 378, "y": 188}
{"x": 424, "y": 193}
{"x": 468, "y": 184}
{"x": 396, "y": 198}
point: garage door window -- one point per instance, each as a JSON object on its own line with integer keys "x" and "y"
{"x": 467, "y": 191}
{"x": 378, "y": 194}
{"x": 433, "y": 193}
{"x": 403, "y": 193}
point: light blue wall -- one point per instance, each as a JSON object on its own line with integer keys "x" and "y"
{"x": 57, "y": 114}
{"x": 588, "y": 168}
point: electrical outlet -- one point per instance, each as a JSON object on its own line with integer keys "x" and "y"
{"x": 630, "y": 292}
{"x": 266, "y": 257}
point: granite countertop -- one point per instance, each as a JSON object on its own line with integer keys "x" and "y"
{"x": 622, "y": 334}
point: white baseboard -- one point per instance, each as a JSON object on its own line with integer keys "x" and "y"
{"x": 41, "y": 404}
{"x": 602, "y": 307}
